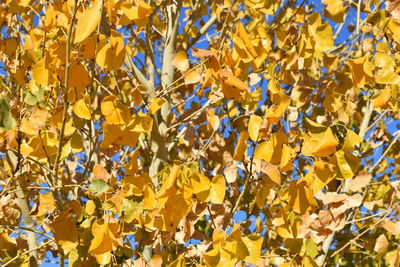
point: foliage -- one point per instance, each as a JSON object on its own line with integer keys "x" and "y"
{"x": 209, "y": 133}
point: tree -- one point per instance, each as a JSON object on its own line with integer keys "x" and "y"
{"x": 184, "y": 132}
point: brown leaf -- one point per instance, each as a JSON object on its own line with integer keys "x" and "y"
{"x": 231, "y": 174}
{"x": 393, "y": 7}
{"x": 360, "y": 181}
{"x": 272, "y": 171}
{"x": 381, "y": 244}
{"x": 202, "y": 53}
{"x": 9, "y": 211}
{"x": 332, "y": 197}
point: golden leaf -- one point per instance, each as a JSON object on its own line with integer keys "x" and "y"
{"x": 88, "y": 21}
{"x": 322, "y": 144}
{"x": 218, "y": 189}
{"x": 280, "y": 102}
{"x": 169, "y": 183}
{"x": 334, "y": 10}
{"x": 82, "y": 108}
{"x": 361, "y": 71}
{"x": 46, "y": 204}
{"x": 271, "y": 150}
{"x": 115, "y": 112}
{"x": 181, "y": 61}
{"x": 241, "y": 146}
{"x": 155, "y": 104}
{"x": 112, "y": 54}
{"x": 64, "y": 227}
{"x": 118, "y": 135}
{"x": 383, "y": 98}
{"x": 106, "y": 237}
{"x": 41, "y": 73}
{"x": 253, "y": 243}
{"x": 301, "y": 196}
{"x": 37, "y": 120}
{"x": 381, "y": 244}
{"x": 212, "y": 119}
{"x": 254, "y": 127}
{"x": 140, "y": 123}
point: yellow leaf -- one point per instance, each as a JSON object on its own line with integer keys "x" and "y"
{"x": 361, "y": 71}
{"x": 112, "y": 54}
{"x": 41, "y": 73}
{"x": 321, "y": 144}
{"x": 155, "y": 104}
{"x": 149, "y": 198}
{"x": 179, "y": 262}
{"x": 280, "y": 102}
{"x": 7, "y": 243}
{"x": 273, "y": 172}
{"x": 254, "y": 127}
{"x": 132, "y": 166}
{"x": 169, "y": 183}
{"x": 90, "y": 207}
{"x": 137, "y": 95}
{"x": 232, "y": 86}
{"x": 301, "y": 197}
{"x": 243, "y": 40}
{"x": 104, "y": 258}
{"x": 253, "y": 243}
{"x": 175, "y": 208}
{"x": 88, "y": 21}
{"x": 381, "y": 244}
{"x": 64, "y": 227}
{"x": 241, "y": 147}
{"x": 79, "y": 80}
{"x": 212, "y": 119}
{"x": 140, "y": 123}
{"x": 383, "y": 98}
{"x": 322, "y": 34}
{"x": 271, "y": 150}
{"x": 106, "y": 237}
{"x": 212, "y": 257}
{"x": 334, "y": 10}
{"x": 115, "y": 112}
{"x": 46, "y": 204}
{"x": 134, "y": 185}
{"x": 36, "y": 121}
{"x": 137, "y": 13}
{"x": 181, "y": 61}
{"x": 82, "y": 108}
{"x": 118, "y": 135}
{"x": 324, "y": 172}
{"x": 351, "y": 140}
{"x": 200, "y": 183}
{"x": 288, "y": 154}
{"x": 218, "y": 189}
{"x": 348, "y": 164}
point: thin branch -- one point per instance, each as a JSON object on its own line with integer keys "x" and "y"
{"x": 361, "y": 234}
{"x": 25, "y": 208}
{"x": 363, "y": 130}
{"x": 397, "y": 134}
{"x": 28, "y": 252}
{"x": 65, "y": 91}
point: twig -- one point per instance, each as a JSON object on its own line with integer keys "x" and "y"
{"x": 363, "y": 130}
{"x": 65, "y": 89}
{"x": 361, "y": 234}
{"x": 386, "y": 151}
{"x": 27, "y": 252}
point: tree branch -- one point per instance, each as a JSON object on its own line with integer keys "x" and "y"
{"x": 65, "y": 92}
{"x": 362, "y": 132}
{"x": 23, "y": 202}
